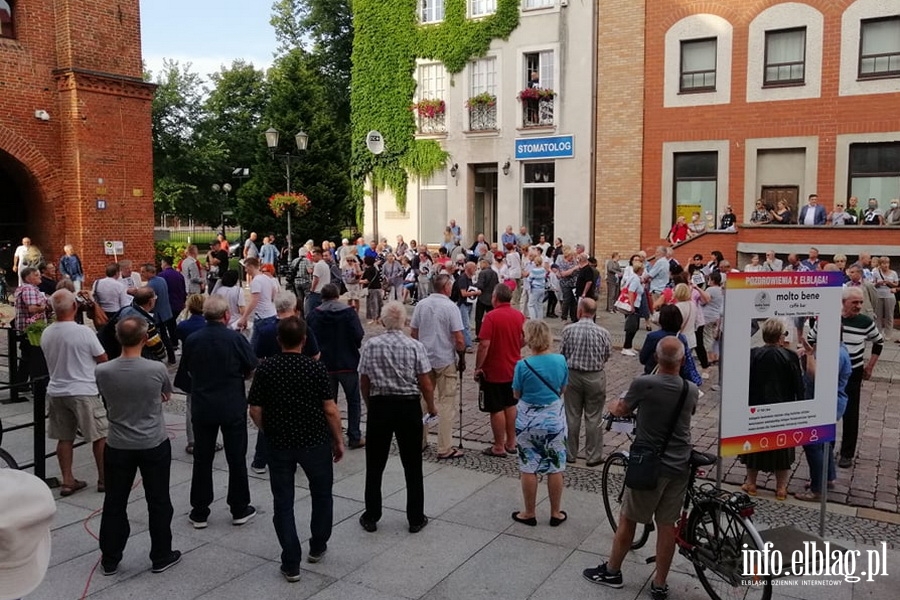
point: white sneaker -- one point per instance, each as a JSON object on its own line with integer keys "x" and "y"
{"x": 628, "y": 352}
{"x": 704, "y": 375}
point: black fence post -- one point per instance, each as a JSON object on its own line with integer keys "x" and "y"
{"x": 12, "y": 353}
{"x": 40, "y": 429}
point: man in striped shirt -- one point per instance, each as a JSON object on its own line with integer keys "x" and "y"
{"x": 856, "y": 330}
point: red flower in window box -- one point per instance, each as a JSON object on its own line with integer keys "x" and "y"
{"x": 429, "y": 108}
{"x": 535, "y": 93}
{"x": 482, "y": 100}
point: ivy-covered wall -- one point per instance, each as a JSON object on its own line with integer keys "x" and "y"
{"x": 387, "y": 41}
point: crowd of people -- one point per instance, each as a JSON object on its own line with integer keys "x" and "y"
{"x": 303, "y": 341}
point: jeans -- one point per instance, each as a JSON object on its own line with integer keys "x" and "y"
{"x": 851, "y": 415}
{"x": 349, "y": 381}
{"x": 389, "y": 416}
{"x": 234, "y": 438}
{"x": 702, "y": 356}
{"x": 465, "y": 311}
{"x": 535, "y": 304}
{"x": 313, "y": 301}
{"x": 257, "y": 324}
{"x": 815, "y": 454}
{"x": 316, "y": 464}
{"x": 120, "y": 467}
{"x": 551, "y": 303}
{"x": 569, "y": 305}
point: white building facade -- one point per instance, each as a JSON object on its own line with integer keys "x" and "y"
{"x": 518, "y": 125}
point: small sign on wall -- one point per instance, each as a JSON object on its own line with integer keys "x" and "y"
{"x": 113, "y": 247}
{"x": 101, "y": 204}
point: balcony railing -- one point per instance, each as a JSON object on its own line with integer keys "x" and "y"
{"x": 432, "y": 124}
{"x": 482, "y": 117}
{"x": 537, "y": 112}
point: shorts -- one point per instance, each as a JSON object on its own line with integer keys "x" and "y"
{"x": 69, "y": 414}
{"x": 663, "y": 503}
{"x": 354, "y": 291}
{"x": 497, "y": 396}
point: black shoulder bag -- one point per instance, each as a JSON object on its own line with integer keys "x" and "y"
{"x": 644, "y": 459}
{"x": 544, "y": 381}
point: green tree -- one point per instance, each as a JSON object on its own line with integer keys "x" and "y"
{"x": 185, "y": 162}
{"x": 299, "y": 100}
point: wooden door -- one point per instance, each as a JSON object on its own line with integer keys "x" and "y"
{"x": 771, "y": 194}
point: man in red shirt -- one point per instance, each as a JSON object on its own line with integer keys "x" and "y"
{"x": 499, "y": 350}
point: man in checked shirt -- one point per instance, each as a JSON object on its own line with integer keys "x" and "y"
{"x": 586, "y": 347}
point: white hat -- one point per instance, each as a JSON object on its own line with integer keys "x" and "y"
{"x": 28, "y": 509}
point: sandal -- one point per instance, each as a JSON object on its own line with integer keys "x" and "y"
{"x": 489, "y": 451}
{"x": 749, "y": 489}
{"x": 101, "y": 487}
{"x": 189, "y": 448}
{"x": 454, "y": 453}
{"x": 781, "y": 494}
{"x": 512, "y": 451}
{"x": 68, "y": 490}
{"x": 808, "y": 495}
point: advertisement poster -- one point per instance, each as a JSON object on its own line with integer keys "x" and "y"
{"x": 796, "y": 299}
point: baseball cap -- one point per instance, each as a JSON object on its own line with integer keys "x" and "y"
{"x": 28, "y": 509}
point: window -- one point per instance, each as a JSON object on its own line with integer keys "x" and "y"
{"x": 875, "y": 172}
{"x": 696, "y": 183}
{"x": 539, "y": 3}
{"x": 480, "y": 8}
{"x": 482, "y": 102}
{"x": 430, "y": 108}
{"x": 538, "y": 95}
{"x": 6, "y": 19}
{"x": 538, "y": 198}
{"x": 432, "y": 11}
{"x": 785, "y": 57}
{"x": 433, "y": 207}
{"x": 879, "y": 47}
{"x": 698, "y": 65}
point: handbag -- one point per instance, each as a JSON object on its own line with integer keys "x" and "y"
{"x": 645, "y": 459}
{"x": 544, "y": 381}
{"x": 623, "y": 303}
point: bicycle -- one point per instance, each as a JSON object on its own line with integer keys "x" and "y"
{"x": 713, "y": 532}
{"x": 6, "y": 459}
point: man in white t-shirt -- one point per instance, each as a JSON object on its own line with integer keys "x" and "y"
{"x": 73, "y": 352}
{"x": 261, "y": 307}
{"x": 321, "y": 276}
{"x": 19, "y": 257}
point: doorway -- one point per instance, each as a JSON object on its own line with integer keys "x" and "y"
{"x": 484, "y": 202}
{"x": 771, "y": 194}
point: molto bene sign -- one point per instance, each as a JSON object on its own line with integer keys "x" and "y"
{"x": 560, "y": 146}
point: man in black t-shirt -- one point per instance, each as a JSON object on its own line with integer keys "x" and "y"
{"x": 465, "y": 294}
{"x": 291, "y": 401}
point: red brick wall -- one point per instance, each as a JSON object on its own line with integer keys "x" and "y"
{"x": 80, "y": 61}
{"x": 825, "y": 117}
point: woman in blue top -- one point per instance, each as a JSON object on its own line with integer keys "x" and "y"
{"x": 538, "y": 383}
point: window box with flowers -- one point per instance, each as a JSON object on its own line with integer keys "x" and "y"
{"x": 482, "y": 112}
{"x": 537, "y": 106}
{"x": 430, "y": 115}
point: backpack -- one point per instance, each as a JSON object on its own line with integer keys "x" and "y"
{"x": 107, "y": 337}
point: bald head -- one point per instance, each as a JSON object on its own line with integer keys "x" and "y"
{"x": 669, "y": 355}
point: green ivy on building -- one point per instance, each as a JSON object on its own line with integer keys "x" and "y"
{"x": 387, "y": 41}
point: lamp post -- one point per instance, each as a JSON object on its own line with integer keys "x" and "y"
{"x": 301, "y": 139}
{"x": 223, "y": 189}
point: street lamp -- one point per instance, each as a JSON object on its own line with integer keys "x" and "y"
{"x": 301, "y": 139}
{"x": 223, "y": 189}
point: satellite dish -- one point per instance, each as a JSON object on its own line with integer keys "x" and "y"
{"x": 374, "y": 142}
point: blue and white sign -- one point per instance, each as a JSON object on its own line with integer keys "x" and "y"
{"x": 559, "y": 146}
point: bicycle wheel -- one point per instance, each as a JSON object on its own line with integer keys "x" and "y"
{"x": 718, "y": 534}
{"x": 613, "y": 487}
{"x": 7, "y": 461}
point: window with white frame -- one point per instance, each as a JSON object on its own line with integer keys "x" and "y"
{"x": 433, "y": 208}
{"x": 432, "y": 11}
{"x": 538, "y": 4}
{"x": 785, "y": 57}
{"x": 481, "y": 8}
{"x": 482, "y": 103}
{"x": 698, "y": 65}
{"x": 539, "y": 197}
{"x": 879, "y": 47}
{"x": 539, "y": 70}
{"x": 483, "y": 76}
{"x": 431, "y": 82}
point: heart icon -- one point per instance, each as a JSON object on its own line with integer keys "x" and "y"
{"x": 798, "y": 435}
{"x": 752, "y": 410}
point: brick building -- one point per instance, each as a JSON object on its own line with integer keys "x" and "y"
{"x": 740, "y": 101}
{"x": 75, "y": 137}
